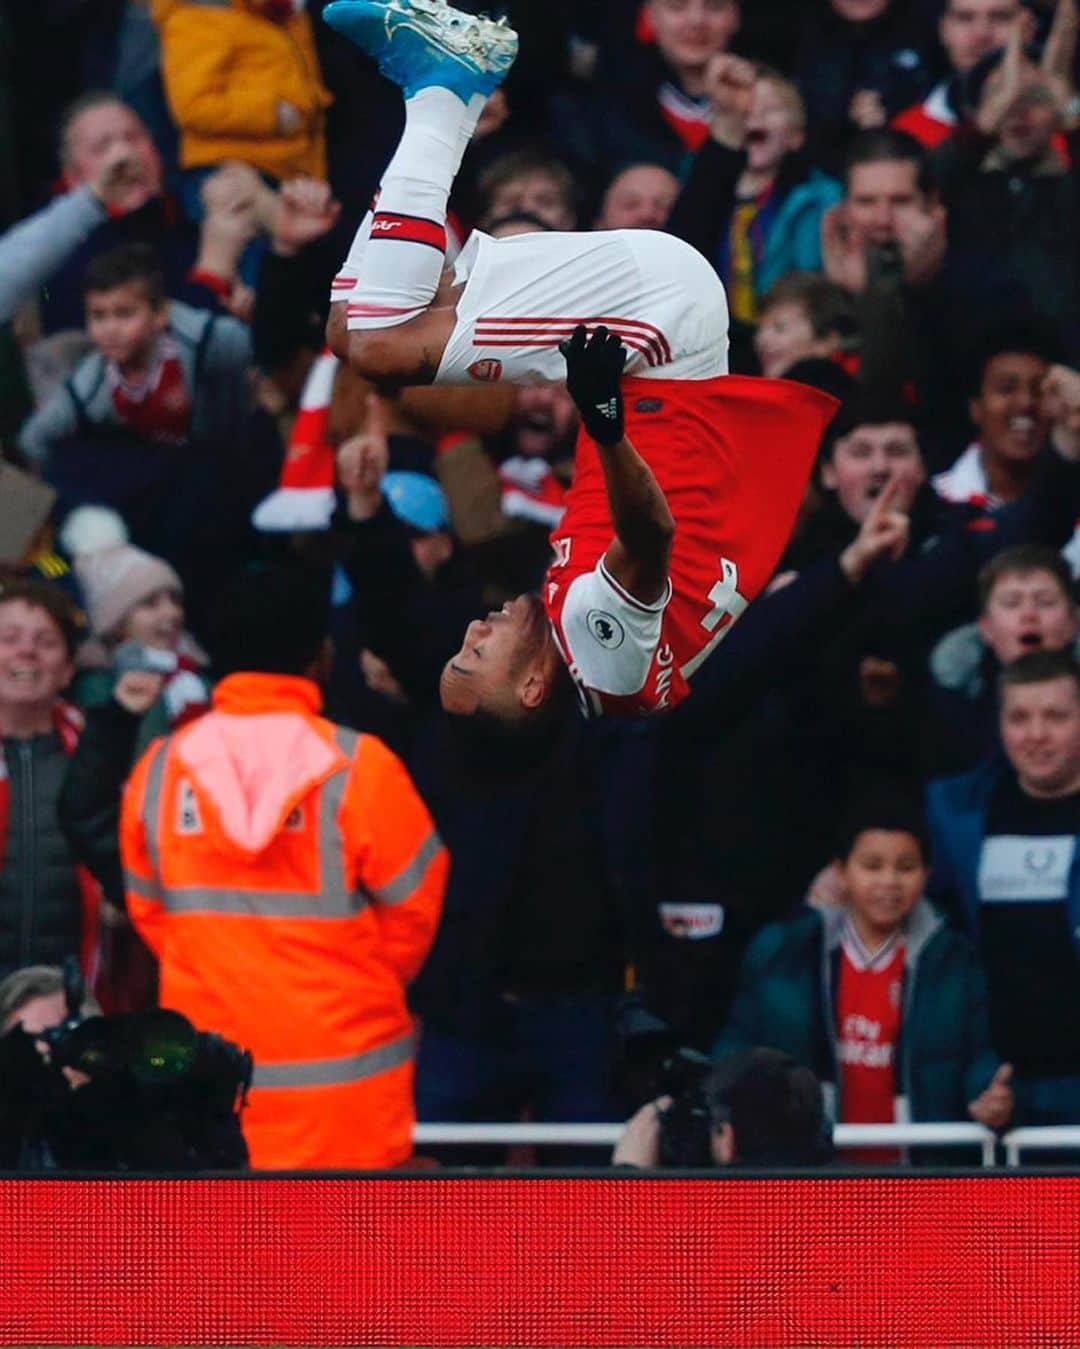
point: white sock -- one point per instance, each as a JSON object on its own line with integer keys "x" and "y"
{"x": 345, "y": 281}
{"x": 402, "y": 258}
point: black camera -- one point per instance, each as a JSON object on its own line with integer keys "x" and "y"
{"x": 654, "y": 1064}
{"x": 154, "y": 1092}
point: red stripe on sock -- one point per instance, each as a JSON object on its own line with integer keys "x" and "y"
{"x": 408, "y": 229}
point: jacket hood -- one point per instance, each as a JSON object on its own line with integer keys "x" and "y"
{"x": 922, "y": 923}
{"x": 257, "y": 756}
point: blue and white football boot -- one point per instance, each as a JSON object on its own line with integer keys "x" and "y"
{"x": 422, "y": 43}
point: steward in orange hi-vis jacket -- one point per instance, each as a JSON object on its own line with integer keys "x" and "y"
{"x": 289, "y": 878}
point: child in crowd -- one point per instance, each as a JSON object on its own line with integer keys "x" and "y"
{"x": 243, "y": 82}
{"x": 753, "y": 203}
{"x": 884, "y": 1001}
{"x": 161, "y": 371}
{"x": 802, "y": 316}
{"x": 135, "y": 607}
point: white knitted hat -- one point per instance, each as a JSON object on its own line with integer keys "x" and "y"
{"x": 114, "y": 575}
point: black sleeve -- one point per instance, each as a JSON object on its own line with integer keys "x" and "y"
{"x": 932, "y": 589}
{"x": 702, "y": 212}
{"x": 292, "y": 299}
{"x": 403, "y": 618}
{"x": 89, "y": 805}
{"x": 774, "y": 641}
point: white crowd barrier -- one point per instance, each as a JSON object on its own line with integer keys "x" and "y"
{"x": 845, "y": 1137}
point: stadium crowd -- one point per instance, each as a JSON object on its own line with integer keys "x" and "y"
{"x": 857, "y": 845}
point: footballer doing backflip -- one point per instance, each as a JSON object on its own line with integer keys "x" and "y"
{"x": 687, "y": 481}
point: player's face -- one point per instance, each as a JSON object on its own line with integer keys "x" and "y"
{"x": 884, "y": 877}
{"x": 864, "y": 461}
{"x": 1027, "y": 611}
{"x": 785, "y": 335}
{"x": 485, "y": 674}
{"x": 640, "y": 198}
{"x": 971, "y": 28}
{"x": 878, "y": 194}
{"x": 688, "y": 32}
{"x": 773, "y": 127}
{"x": 1040, "y": 729}
{"x": 1008, "y": 411}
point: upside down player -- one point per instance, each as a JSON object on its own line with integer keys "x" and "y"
{"x": 687, "y": 481}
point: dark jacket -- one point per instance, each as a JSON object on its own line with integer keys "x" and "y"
{"x": 88, "y": 808}
{"x": 956, "y": 810}
{"x": 41, "y": 909}
{"x": 787, "y": 1000}
{"x": 616, "y": 120}
{"x": 837, "y": 58}
{"x": 1014, "y": 235}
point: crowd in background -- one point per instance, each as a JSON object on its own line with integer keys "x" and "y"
{"x": 859, "y": 843}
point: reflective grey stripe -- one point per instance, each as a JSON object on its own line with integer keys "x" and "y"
{"x": 406, "y": 881}
{"x": 135, "y": 885}
{"x": 332, "y": 899}
{"x": 151, "y": 814}
{"x": 261, "y": 903}
{"x": 334, "y": 1072}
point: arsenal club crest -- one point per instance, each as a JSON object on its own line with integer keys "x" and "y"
{"x": 487, "y": 371}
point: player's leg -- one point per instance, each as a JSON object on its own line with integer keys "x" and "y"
{"x": 447, "y": 63}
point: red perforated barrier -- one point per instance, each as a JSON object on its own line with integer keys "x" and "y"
{"x": 897, "y": 1261}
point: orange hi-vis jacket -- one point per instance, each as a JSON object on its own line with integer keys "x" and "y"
{"x": 289, "y": 879}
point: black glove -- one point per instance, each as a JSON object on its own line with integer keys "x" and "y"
{"x": 594, "y": 367}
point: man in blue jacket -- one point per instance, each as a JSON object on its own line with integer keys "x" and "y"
{"x": 1005, "y": 844}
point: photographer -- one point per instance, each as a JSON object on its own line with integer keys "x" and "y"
{"x": 83, "y": 1092}
{"x": 761, "y": 1108}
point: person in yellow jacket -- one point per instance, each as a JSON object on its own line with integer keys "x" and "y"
{"x": 243, "y": 82}
{"x": 289, "y": 879}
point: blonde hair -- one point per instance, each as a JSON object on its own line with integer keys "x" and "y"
{"x": 788, "y": 91}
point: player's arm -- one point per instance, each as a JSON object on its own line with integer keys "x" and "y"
{"x": 644, "y": 527}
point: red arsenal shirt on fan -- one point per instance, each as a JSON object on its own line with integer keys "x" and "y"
{"x": 732, "y": 457}
{"x": 157, "y": 406}
{"x": 868, "y": 1013}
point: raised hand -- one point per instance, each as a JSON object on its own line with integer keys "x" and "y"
{"x": 884, "y": 533}
{"x": 119, "y": 183}
{"x": 729, "y": 87}
{"x": 923, "y": 239}
{"x": 303, "y": 211}
{"x": 867, "y": 109}
{"x": 362, "y": 462}
{"x": 1061, "y": 406}
{"x": 594, "y": 367}
{"x": 842, "y": 250}
{"x": 1007, "y": 83}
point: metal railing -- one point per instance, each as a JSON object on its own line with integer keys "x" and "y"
{"x": 845, "y": 1137}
